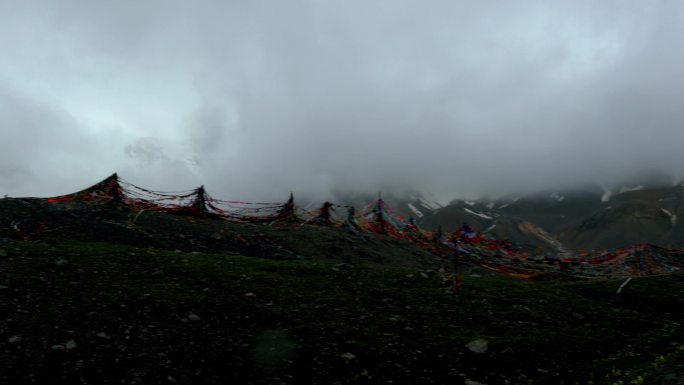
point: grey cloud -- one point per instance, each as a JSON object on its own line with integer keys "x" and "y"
{"x": 256, "y": 99}
{"x": 146, "y": 151}
{"x": 44, "y": 151}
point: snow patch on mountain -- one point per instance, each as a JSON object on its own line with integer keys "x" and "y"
{"x": 490, "y": 205}
{"x": 430, "y": 205}
{"x": 509, "y": 203}
{"x": 557, "y": 196}
{"x": 628, "y": 189}
{"x": 478, "y": 214}
{"x": 607, "y": 193}
{"x": 415, "y": 211}
{"x": 490, "y": 228}
{"x": 470, "y": 203}
{"x": 673, "y": 218}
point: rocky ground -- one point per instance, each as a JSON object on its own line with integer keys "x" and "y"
{"x": 101, "y": 297}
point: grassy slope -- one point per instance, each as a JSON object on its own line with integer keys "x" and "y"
{"x": 268, "y": 321}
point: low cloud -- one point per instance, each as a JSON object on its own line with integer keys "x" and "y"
{"x": 254, "y": 99}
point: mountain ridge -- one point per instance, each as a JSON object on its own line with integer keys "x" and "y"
{"x": 575, "y": 218}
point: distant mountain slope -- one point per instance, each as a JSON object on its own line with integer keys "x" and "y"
{"x": 648, "y": 215}
{"x": 411, "y": 205}
{"x": 532, "y": 219}
{"x": 552, "y": 210}
{"x": 575, "y": 219}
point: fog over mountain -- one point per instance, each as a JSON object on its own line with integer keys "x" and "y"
{"x": 254, "y": 99}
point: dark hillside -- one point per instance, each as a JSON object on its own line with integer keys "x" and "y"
{"x": 100, "y": 294}
{"x": 36, "y": 219}
{"x": 98, "y": 313}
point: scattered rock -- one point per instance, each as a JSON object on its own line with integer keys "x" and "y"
{"x": 250, "y": 295}
{"x": 194, "y": 317}
{"x": 14, "y": 339}
{"x": 347, "y": 357}
{"x": 103, "y": 335}
{"x": 61, "y": 262}
{"x": 479, "y": 346}
{"x": 70, "y": 344}
{"x": 471, "y": 382}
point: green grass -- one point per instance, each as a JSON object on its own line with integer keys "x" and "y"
{"x": 273, "y": 321}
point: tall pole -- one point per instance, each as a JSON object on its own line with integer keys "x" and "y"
{"x": 200, "y": 203}
{"x": 379, "y": 220}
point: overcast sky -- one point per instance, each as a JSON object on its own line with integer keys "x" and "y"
{"x": 257, "y": 98}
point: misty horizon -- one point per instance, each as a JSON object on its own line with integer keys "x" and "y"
{"x": 642, "y": 181}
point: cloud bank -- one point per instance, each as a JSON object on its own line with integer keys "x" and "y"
{"x": 255, "y": 99}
